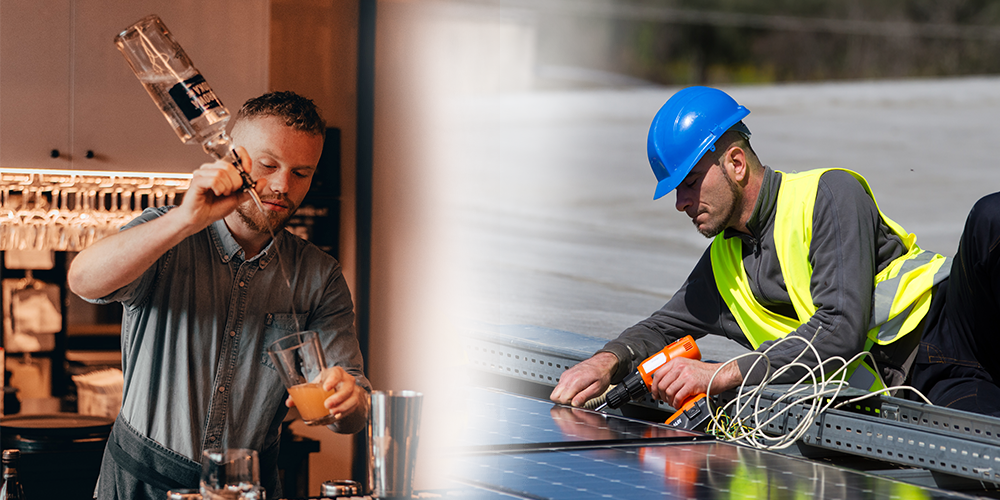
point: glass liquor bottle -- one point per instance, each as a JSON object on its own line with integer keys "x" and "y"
{"x": 178, "y": 89}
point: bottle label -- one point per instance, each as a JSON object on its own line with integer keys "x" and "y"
{"x": 193, "y": 96}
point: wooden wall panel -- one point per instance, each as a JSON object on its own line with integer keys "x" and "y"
{"x": 314, "y": 52}
{"x": 411, "y": 243}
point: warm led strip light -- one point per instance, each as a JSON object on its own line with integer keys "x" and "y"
{"x": 28, "y": 176}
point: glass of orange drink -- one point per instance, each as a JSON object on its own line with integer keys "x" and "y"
{"x": 300, "y": 363}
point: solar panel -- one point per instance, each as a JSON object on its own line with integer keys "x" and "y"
{"x": 522, "y": 447}
{"x": 683, "y": 470}
{"x": 499, "y": 420}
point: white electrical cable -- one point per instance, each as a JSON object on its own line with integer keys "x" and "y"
{"x": 815, "y": 389}
{"x": 754, "y": 427}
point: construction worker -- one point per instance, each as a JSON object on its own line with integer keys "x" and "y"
{"x": 804, "y": 254}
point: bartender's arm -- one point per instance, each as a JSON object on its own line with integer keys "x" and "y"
{"x": 117, "y": 260}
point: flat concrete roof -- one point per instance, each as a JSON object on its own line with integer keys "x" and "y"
{"x": 549, "y": 193}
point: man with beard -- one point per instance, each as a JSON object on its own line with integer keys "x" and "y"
{"x": 205, "y": 290}
{"x": 806, "y": 255}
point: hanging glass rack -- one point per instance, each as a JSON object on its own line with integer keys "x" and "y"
{"x": 71, "y": 209}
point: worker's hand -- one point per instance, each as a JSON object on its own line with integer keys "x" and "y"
{"x": 588, "y": 379}
{"x": 682, "y": 378}
{"x": 214, "y": 192}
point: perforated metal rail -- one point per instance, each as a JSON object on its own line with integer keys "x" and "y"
{"x": 889, "y": 429}
{"x": 533, "y": 354}
{"x": 516, "y": 362}
{"x": 898, "y": 431}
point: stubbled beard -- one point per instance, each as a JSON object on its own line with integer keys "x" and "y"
{"x": 261, "y": 223}
{"x": 720, "y": 226}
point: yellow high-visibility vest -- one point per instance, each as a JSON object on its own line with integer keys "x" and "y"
{"x": 902, "y": 293}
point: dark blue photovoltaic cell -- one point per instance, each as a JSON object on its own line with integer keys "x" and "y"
{"x": 499, "y": 418}
{"x": 707, "y": 470}
{"x": 500, "y": 458}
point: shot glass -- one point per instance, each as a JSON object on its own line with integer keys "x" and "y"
{"x": 300, "y": 363}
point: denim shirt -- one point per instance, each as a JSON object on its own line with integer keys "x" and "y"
{"x": 195, "y": 328}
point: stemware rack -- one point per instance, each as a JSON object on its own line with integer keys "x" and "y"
{"x": 68, "y": 210}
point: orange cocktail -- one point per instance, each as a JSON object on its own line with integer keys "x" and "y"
{"x": 299, "y": 360}
{"x": 309, "y": 399}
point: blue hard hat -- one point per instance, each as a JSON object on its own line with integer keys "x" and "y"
{"x": 685, "y": 128}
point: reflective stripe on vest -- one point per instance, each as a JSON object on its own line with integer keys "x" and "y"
{"x": 902, "y": 290}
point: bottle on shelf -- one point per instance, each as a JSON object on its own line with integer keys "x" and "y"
{"x": 11, "y": 489}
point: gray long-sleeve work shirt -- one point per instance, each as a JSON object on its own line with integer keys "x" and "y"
{"x": 850, "y": 245}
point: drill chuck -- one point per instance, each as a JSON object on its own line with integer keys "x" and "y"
{"x": 631, "y": 388}
{"x": 637, "y": 384}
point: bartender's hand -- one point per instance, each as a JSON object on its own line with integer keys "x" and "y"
{"x": 215, "y": 191}
{"x": 587, "y": 379}
{"x": 348, "y": 404}
{"x": 118, "y": 259}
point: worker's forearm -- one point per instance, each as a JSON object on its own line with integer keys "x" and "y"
{"x": 727, "y": 378}
{"x": 117, "y": 260}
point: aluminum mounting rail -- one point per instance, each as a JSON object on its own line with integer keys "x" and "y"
{"x": 895, "y": 430}
{"x": 889, "y": 429}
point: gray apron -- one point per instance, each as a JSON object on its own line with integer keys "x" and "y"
{"x": 136, "y": 467}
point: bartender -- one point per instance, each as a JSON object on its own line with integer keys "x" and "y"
{"x": 204, "y": 293}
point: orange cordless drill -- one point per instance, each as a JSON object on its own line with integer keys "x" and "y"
{"x": 690, "y": 414}
{"x": 637, "y": 384}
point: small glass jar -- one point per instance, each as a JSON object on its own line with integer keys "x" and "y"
{"x": 340, "y": 488}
